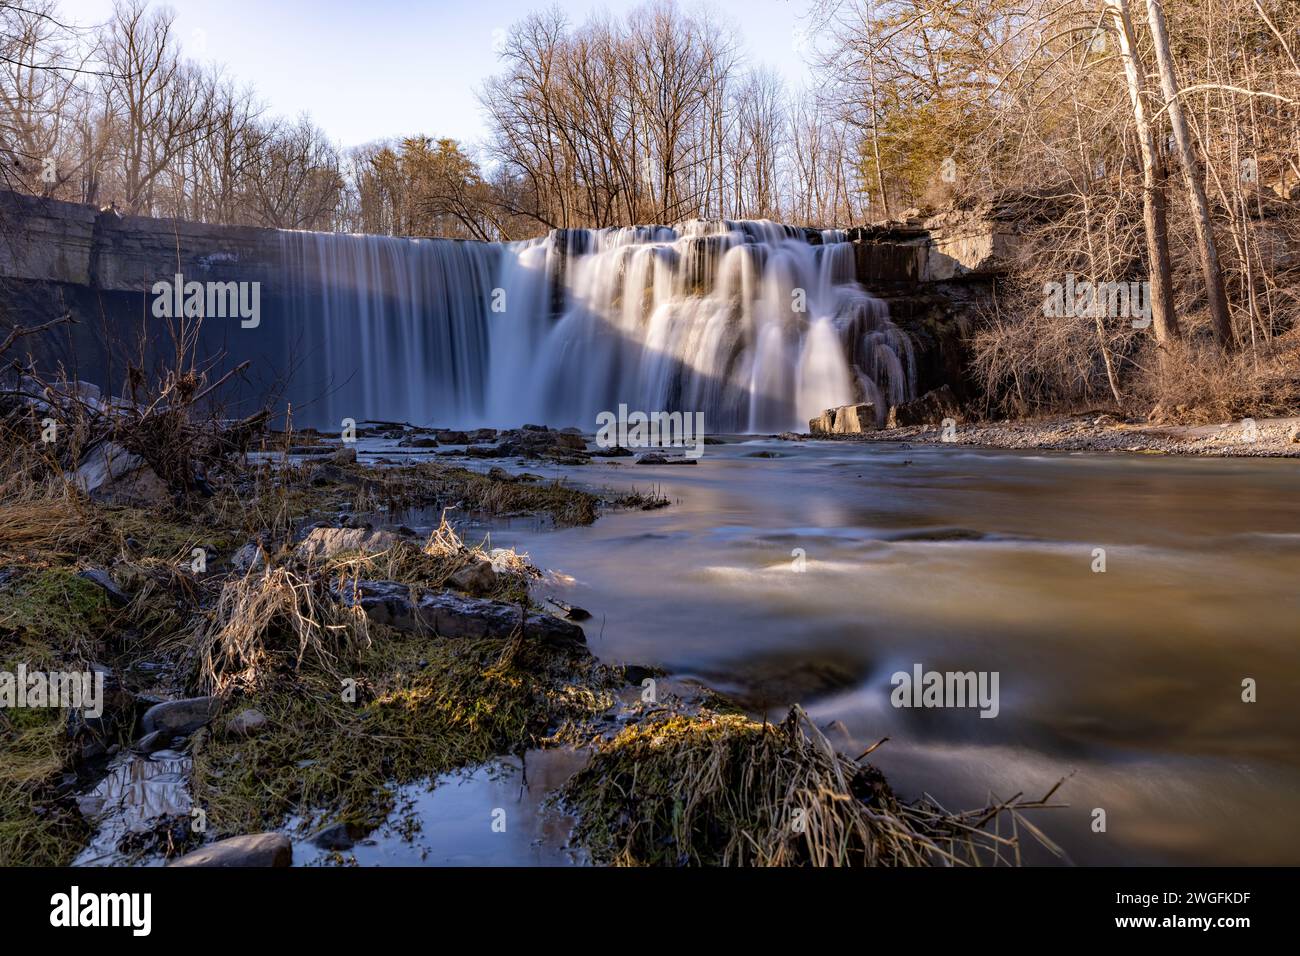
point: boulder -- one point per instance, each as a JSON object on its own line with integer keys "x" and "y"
{"x": 930, "y": 409}
{"x": 252, "y": 849}
{"x": 449, "y": 615}
{"x": 324, "y": 543}
{"x": 347, "y": 455}
{"x": 113, "y": 475}
{"x": 450, "y": 436}
{"x": 845, "y": 420}
{"x": 180, "y": 718}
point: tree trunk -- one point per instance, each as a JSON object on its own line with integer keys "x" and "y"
{"x": 1213, "y": 274}
{"x": 1153, "y": 197}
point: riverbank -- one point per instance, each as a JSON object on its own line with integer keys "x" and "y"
{"x": 1263, "y": 438}
{"x": 283, "y": 657}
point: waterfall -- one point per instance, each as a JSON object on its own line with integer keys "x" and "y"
{"x": 758, "y": 325}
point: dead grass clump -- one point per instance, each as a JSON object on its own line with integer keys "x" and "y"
{"x": 722, "y": 789}
{"x": 1201, "y": 385}
{"x": 434, "y": 565}
{"x": 269, "y": 622}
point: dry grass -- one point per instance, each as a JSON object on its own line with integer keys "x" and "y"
{"x": 273, "y": 620}
{"x": 724, "y": 790}
{"x": 1199, "y": 385}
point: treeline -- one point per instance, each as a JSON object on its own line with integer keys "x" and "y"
{"x": 654, "y": 118}
{"x": 1155, "y": 141}
{"x": 118, "y": 116}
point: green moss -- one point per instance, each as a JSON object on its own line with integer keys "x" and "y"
{"x": 423, "y": 707}
{"x": 50, "y": 612}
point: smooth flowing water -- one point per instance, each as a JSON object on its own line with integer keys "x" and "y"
{"x": 748, "y": 322}
{"x": 1127, "y": 682}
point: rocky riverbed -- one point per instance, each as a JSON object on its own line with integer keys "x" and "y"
{"x": 1265, "y": 438}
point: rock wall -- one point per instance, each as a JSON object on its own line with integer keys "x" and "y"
{"x": 45, "y": 240}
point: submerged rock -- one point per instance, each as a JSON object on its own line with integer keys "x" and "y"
{"x": 338, "y": 836}
{"x": 449, "y": 615}
{"x": 253, "y": 849}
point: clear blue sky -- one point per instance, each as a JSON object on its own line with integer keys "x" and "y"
{"x": 370, "y": 69}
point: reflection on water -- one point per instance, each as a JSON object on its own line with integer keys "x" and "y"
{"x": 494, "y": 815}
{"x": 963, "y": 559}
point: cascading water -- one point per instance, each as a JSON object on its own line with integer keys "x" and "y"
{"x": 748, "y": 322}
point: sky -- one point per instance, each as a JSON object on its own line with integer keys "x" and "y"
{"x": 375, "y": 69}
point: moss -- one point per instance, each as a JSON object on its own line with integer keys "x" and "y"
{"x": 35, "y": 828}
{"x": 50, "y": 612}
{"x": 423, "y": 706}
{"x": 722, "y": 789}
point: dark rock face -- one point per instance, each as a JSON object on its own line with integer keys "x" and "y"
{"x": 452, "y": 616}
{"x": 253, "y": 849}
{"x": 180, "y": 717}
{"x": 930, "y": 409}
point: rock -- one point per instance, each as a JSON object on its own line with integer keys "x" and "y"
{"x": 1295, "y": 434}
{"x": 111, "y": 474}
{"x": 792, "y": 436}
{"x": 845, "y": 420}
{"x": 180, "y": 717}
{"x": 338, "y": 836}
{"x": 570, "y": 440}
{"x": 484, "y": 434}
{"x": 635, "y": 673}
{"x": 452, "y": 616}
{"x": 930, "y": 409}
{"x": 324, "y": 543}
{"x": 451, "y": 437}
{"x": 249, "y": 722}
{"x": 253, "y": 849}
{"x": 418, "y": 443}
{"x": 618, "y": 451}
{"x": 332, "y": 474}
{"x": 251, "y": 557}
{"x": 152, "y": 742}
{"x": 497, "y": 473}
{"x": 536, "y": 428}
{"x": 477, "y": 578}
{"x": 347, "y": 455}
{"x": 106, "y": 583}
